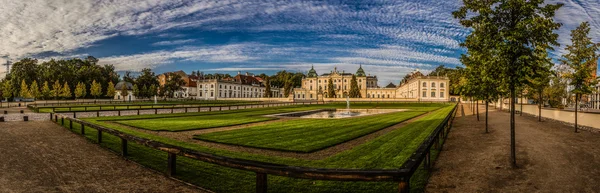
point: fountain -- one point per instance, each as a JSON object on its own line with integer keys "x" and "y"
{"x": 347, "y": 105}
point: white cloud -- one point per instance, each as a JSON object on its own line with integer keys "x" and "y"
{"x": 173, "y": 42}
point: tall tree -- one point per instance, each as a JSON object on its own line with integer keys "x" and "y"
{"x": 581, "y": 57}
{"x": 34, "y": 90}
{"x": 46, "y": 92}
{"x": 153, "y": 90}
{"x": 136, "y": 90}
{"x": 540, "y": 81}
{"x": 513, "y": 29}
{"x": 354, "y": 91}
{"x": 66, "y": 91}
{"x": 124, "y": 91}
{"x": 24, "y": 91}
{"x": 96, "y": 89}
{"x": 80, "y": 90}
{"x": 110, "y": 90}
{"x": 330, "y": 89}
{"x": 56, "y": 90}
{"x": 268, "y": 93}
{"x": 7, "y": 90}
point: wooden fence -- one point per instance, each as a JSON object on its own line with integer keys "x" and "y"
{"x": 263, "y": 169}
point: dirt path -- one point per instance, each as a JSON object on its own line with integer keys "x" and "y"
{"x": 550, "y": 157}
{"x": 43, "y": 157}
{"x": 187, "y": 136}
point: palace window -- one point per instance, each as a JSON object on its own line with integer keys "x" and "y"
{"x": 424, "y": 93}
{"x": 433, "y": 84}
{"x": 442, "y": 85}
{"x": 441, "y": 94}
{"x": 433, "y": 94}
{"x": 345, "y": 80}
{"x": 311, "y": 81}
{"x": 212, "y": 86}
{"x": 424, "y": 84}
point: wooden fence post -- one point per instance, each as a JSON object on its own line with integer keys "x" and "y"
{"x": 97, "y": 113}
{"x": 261, "y": 182}
{"x": 155, "y": 111}
{"x": 138, "y": 113}
{"x": 82, "y": 129}
{"x": 123, "y": 147}
{"x": 99, "y": 136}
{"x": 74, "y": 114}
{"x": 171, "y": 164}
{"x": 404, "y": 186}
{"x": 119, "y": 112}
{"x": 62, "y": 120}
{"x": 70, "y": 125}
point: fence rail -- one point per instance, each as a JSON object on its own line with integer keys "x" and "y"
{"x": 262, "y": 169}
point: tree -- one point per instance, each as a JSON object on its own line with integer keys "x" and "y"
{"x": 7, "y": 89}
{"x": 34, "y": 90}
{"x": 330, "y": 89}
{"x": 96, "y": 89}
{"x": 538, "y": 83}
{"x": 66, "y": 91}
{"x": 24, "y": 91}
{"x": 268, "y": 93}
{"x": 174, "y": 83}
{"x": 153, "y": 90}
{"x": 136, "y": 91}
{"x": 56, "y": 90}
{"x": 110, "y": 90}
{"x": 354, "y": 91}
{"x": 46, "y": 92}
{"x": 582, "y": 58}
{"x": 124, "y": 91}
{"x": 80, "y": 90}
{"x": 513, "y": 30}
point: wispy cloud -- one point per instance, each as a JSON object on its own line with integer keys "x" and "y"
{"x": 173, "y": 42}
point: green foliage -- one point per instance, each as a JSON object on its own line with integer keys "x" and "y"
{"x": 110, "y": 90}
{"x": 96, "y": 89}
{"x": 34, "y": 90}
{"x": 268, "y": 93}
{"x": 153, "y": 90}
{"x": 146, "y": 80}
{"x": 124, "y": 91}
{"x": 136, "y": 90}
{"x": 174, "y": 83}
{"x": 582, "y": 58}
{"x": 66, "y": 91}
{"x": 56, "y": 89}
{"x": 7, "y": 89}
{"x": 330, "y": 89}
{"x": 80, "y": 90}
{"x": 46, "y": 92}
{"x": 24, "y": 91}
{"x": 354, "y": 91}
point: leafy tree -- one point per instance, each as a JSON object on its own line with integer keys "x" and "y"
{"x": 56, "y": 90}
{"x": 581, "y": 57}
{"x": 136, "y": 90}
{"x": 80, "y": 90}
{"x": 354, "y": 91}
{"x": 268, "y": 93}
{"x": 110, "y": 90}
{"x": 153, "y": 90}
{"x": 46, "y": 92}
{"x": 24, "y": 91}
{"x": 96, "y": 89}
{"x": 34, "y": 90}
{"x": 540, "y": 81}
{"x": 330, "y": 89}
{"x": 145, "y": 91}
{"x": 66, "y": 91}
{"x": 7, "y": 90}
{"x": 513, "y": 30}
{"x": 124, "y": 91}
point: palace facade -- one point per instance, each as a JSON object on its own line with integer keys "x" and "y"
{"x": 240, "y": 86}
{"x": 418, "y": 87}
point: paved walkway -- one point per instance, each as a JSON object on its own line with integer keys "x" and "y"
{"x": 550, "y": 157}
{"x": 43, "y": 157}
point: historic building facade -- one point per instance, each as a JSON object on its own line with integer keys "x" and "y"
{"x": 418, "y": 87}
{"x": 240, "y": 86}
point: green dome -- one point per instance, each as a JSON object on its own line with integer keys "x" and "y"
{"x": 312, "y": 72}
{"x": 360, "y": 72}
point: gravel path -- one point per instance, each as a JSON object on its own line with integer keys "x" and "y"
{"x": 43, "y": 157}
{"x": 188, "y": 136}
{"x": 550, "y": 157}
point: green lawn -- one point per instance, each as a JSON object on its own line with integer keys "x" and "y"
{"x": 308, "y": 135}
{"x": 388, "y": 151}
{"x": 140, "y": 105}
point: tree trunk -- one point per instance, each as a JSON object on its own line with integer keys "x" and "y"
{"x": 486, "y": 116}
{"x": 576, "y": 108}
{"x": 513, "y": 157}
{"x": 540, "y": 101}
{"x": 477, "y": 109}
{"x": 472, "y": 107}
{"x": 521, "y": 100}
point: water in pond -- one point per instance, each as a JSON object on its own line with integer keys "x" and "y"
{"x": 341, "y": 113}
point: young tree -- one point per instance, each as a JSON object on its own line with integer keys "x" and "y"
{"x": 7, "y": 89}
{"x": 124, "y": 91}
{"x": 66, "y": 91}
{"x": 153, "y": 90}
{"x": 24, "y": 91}
{"x": 136, "y": 91}
{"x": 110, "y": 90}
{"x": 330, "y": 89}
{"x": 268, "y": 93}
{"x": 540, "y": 81}
{"x": 34, "y": 90}
{"x": 46, "y": 92}
{"x": 354, "y": 91}
{"x": 581, "y": 57}
{"x": 56, "y": 90}
{"x": 513, "y": 29}
{"x": 96, "y": 89}
{"x": 79, "y": 90}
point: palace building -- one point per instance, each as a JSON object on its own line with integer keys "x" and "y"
{"x": 418, "y": 87}
{"x": 240, "y": 86}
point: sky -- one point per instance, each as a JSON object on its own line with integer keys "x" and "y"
{"x": 388, "y": 38}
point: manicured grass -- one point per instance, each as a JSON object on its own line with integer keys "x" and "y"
{"x": 138, "y": 105}
{"x": 308, "y": 135}
{"x": 388, "y": 151}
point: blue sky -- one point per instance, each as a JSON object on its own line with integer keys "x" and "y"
{"x": 389, "y": 38}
